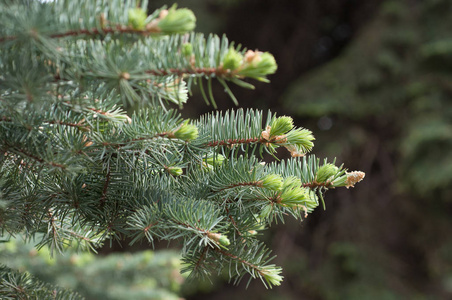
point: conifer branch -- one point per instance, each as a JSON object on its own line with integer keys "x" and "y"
{"x": 180, "y": 72}
{"x": 200, "y": 260}
{"x": 218, "y": 72}
{"x": 146, "y": 229}
{"x": 7, "y": 38}
{"x": 236, "y": 227}
{"x": 103, "y": 198}
{"x": 186, "y": 225}
{"x": 27, "y": 154}
{"x": 15, "y": 285}
{"x": 241, "y": 184}
{"x": 232, "y": 142}
{"x": 153, "y": 174}
{"x": 314, "y": 184}
{"x": 240, "y": 260}
{"x": 54, "y": 231}
{"x": 118, "y": 29}
{"x": 81, "y": 127}
{"x": 90, "y": 109}
{"x": 141, "y": 139}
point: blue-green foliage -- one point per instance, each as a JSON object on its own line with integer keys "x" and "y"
{"x": 140, "y": 275}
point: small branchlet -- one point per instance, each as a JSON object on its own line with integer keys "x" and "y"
{"x": 271, "y": 274}
{"x": 272, "y": 182}
{"x": 292, "y": 194}
{"x": 176, "y": 20}
{"x": 175, "y": 171}
{"x": 325, "y": 172}
{"x": 254, "y": 64}
{"x": 281, "y": 132}
{"x": 185, "y": 132}
{"x": 137, "y": 18}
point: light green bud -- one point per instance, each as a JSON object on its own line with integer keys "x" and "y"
{"x": 266, "y": 212}
{"x": 137, "y": 18}
{"x": 251, "y": 233}
{"x": 340, "y": 181}
{"x": 175, "y": 90}
{"x": 272, "y": 182}
{"x": 219, "y": 238}
{"x": 187, "y": 132}
{"x": 216, "y": 160}
{"x": 175, "y": 171}
{"x": 272, "y": 275}
{"x": 326, "y": 171}
{"x": 232, "y": 60}
{"x": 258, "y": 65}
{"x": 312, "y": 201}
{"x": 291, "y": 182}
{"x": 292, "y": 193}
{"x": 224, "y": 241}
{"x": 293, "y": 197}
{"x": 177, "y": 21}
{"x": 267, "y": 65}
{"x": 302, "y": 138}
{"x": 121, "y": 118}
{"x": 281, "y": 125}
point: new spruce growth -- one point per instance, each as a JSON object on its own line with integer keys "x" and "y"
{"x": 90, "y": 150}
{"x": 137, "y": 18}
{"x": 176, "y": 20}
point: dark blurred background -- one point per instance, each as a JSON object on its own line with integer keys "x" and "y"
{"x": 373, "y": 81}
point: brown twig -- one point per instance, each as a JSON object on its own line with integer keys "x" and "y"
{"x": 232, "y": 142}
{"x": 104, "y": 191}
{"x": 206, "y": 71}
{"x": 36, "y": 158}
{"x": 314, "y": 184}
{"x": 251, "y": 183}
{"x": 233, "y": 221}
{"x": 8, "y": 119}
{"x": 93, "y": 31}
{"x": 239, "y": 259}
{"x": 149, "y": 226}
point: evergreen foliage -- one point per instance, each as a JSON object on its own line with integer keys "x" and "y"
{"x": 15, "y": 285}
{"x": 91, "y": 150}
{"x": 141, "y": 275}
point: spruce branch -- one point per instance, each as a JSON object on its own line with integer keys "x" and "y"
{"x": 241, "y": 184}
{"x": 233, "y": 142}
{"x": 257, "y": 266}
{"x": 167, "y": 22}
{"x": 315, "y": 184}
{"x": 22, "y": 285}
{"x": 234, "y": 223}
{"x": 239, "y": 128}
{"x": 96, "y": 32}
{"x": 27, "y": 155}
{"x": 89, "y": 152}
{"x": 103, "y": 198}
